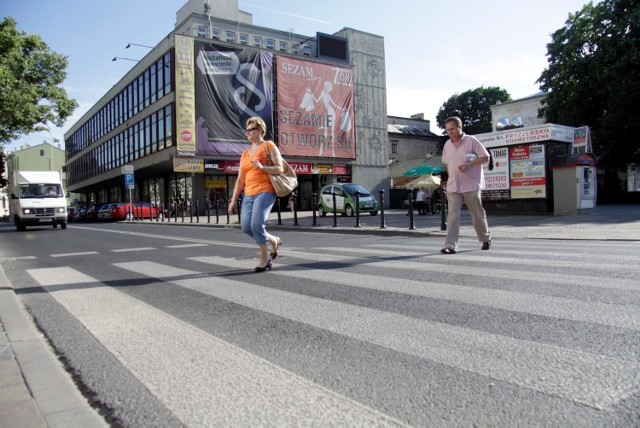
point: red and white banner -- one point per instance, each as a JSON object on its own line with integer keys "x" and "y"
{"x": 315, "y": 109}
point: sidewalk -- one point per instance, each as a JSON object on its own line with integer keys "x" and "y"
{"x": 36, "y": 391}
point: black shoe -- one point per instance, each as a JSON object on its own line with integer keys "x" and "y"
{"x": 486, "y": 245}
{"x": 267, "y": 266}
{"x": 448, "y": 251}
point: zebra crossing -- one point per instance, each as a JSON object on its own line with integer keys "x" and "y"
{"x": 510, "y": 328}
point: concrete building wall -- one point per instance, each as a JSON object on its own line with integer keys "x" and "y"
{"x": 366, "y": 53}
{"x": 522, "y": 112}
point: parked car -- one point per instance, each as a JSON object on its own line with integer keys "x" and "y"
{"x": 346, "y": 200}
{"x": 104, "y": 214}
{"x": 91, "y": 214}
{"x": 144, "y": 210}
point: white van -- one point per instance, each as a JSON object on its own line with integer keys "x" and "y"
{"x": 37, "y": 199}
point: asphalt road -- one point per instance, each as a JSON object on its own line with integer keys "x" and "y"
{"x": 169, "y": 326}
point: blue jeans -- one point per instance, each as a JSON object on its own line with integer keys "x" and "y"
{"x": 254, "y": 215}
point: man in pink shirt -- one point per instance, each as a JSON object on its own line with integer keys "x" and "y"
{"x": 464, "y": 156}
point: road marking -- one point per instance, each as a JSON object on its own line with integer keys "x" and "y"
{"x": 186, "y": 246}
{"x": 594, "y": 380}
{"x": 433, "y": 265}
{"x": 59, "y": 276}
{"x": 86, "y": 253}
{"x": 201, "y": 379}
{"x": 126, "y": 250}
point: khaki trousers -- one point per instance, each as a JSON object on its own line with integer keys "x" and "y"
{"x": 478, "y": 216}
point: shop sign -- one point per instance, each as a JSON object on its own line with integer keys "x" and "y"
{"x": 188, "y": 165}
{"x": 301, "y": 167}
{"x": 231, "y": 167}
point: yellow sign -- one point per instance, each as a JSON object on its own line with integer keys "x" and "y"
{"x": 188, "y": 165}
{"x": 185, "y": 96}
{"x": 211, "y": 184}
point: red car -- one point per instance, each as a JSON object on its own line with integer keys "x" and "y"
{"x": 140, "y": 210}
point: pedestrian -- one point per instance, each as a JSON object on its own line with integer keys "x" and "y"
{"x": 464, "y": 155}
{"x": 421, "y": 201}
{"x": 259, "y": 194}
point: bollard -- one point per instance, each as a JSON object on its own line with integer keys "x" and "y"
{"x": 295, "y": 213}
{"x": 208, "y": 205}
{"x": 228, "y": 217}
{"x": 278, "y": 211}
{"x": 335, "y": 213}
{"x": 197, "y": 212}
{"x": 314, "y": 204}
{"x": 412, "y": 223}
{"x": 217, "y": 213}
{"x": 382, "y": 223}
{"x": 358, "y": 209}
{"x": 175, "y": 213}
{"x": 444, "y": 207}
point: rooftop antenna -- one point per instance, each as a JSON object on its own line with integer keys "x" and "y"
{"x": 207, "y": 11}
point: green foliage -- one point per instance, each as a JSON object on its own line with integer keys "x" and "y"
{"x": 30, "y": 75}
{"x": 473, "y": 108}
{"x": 593, "y": 78}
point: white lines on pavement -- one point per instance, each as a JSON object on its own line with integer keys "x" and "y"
{"x": 188, "y": 369}
{"x": 85, "y": 253}
{"x": 583, "y": 377}
{"x": 186, "y": 246}
{"x": 59, "y": 276}
{"x": 126, "y": 250}
{"x": 557, "y": 307}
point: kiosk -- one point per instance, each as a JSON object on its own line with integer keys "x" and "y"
{"x": 574, "y": 183}
{"x": 521, "y": 181}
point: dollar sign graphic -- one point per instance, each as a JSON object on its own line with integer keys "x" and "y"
{"x": 250, "y": 70}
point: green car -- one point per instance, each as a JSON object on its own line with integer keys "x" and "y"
{"x": 346, "y": 200}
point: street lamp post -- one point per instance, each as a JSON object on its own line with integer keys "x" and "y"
{"x": 115, "y": 58}
{"x": 136, "y": 44}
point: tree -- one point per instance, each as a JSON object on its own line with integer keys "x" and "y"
{"x": 473, "y": 108}
{"x": 593, "y": 79}
{"x": 30, "y": 76}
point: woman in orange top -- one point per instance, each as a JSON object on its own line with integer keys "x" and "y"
{"x": 259, "y": 195}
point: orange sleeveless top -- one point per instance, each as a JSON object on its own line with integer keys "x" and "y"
{"x": 255, "y": 180}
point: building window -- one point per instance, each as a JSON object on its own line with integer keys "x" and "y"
{"x": 231, "y": 36}
{"x": 244, "y": 38}
{"x": 257, "y": 41}
{"x": 41, "y": 152}
{"x": 271, "y": 44}
{"x": 394, "y": 148}
{"x": 283, "y": 46}
{"x": 295, "y": 49}
{"x": 306, "y": 50}
{"x": 216, "y": 33}
{"x": 202, "y": 31}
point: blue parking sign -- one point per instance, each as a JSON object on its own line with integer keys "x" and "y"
{"x": 128, "y": 180}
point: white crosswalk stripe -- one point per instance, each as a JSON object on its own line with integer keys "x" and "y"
{"x": 243, "y": 384}
{"x": 243, "y": 387}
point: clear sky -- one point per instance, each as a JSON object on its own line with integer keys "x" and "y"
{"x": 434, "y": 49}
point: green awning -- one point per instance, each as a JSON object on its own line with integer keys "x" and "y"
{"x": 423, "y": 170}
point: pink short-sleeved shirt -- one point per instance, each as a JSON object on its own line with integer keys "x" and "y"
{"x": 453, "y": 155}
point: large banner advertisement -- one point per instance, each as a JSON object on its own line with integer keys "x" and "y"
{"x": 232, "y": 84}
{"x": 528, "y": 177}
{"x": 185, "y": 111}
{"x": 315, "y": 109}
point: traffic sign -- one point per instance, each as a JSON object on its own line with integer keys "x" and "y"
{"x": 129, "y": 181}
